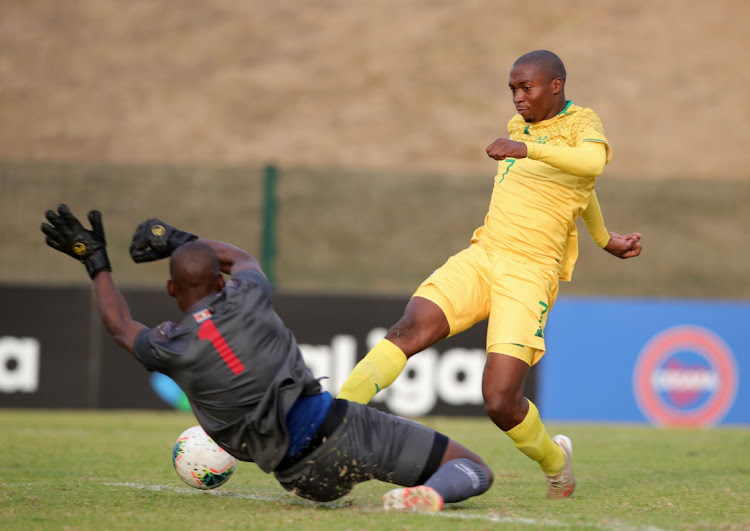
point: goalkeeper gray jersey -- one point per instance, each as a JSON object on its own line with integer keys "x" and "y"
{"x": 239, "y": 366}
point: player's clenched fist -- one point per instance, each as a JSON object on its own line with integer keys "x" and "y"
{"x": 503, "y": 148}
{"x": 66, "y": 234}
{"x": 154, "y": 240}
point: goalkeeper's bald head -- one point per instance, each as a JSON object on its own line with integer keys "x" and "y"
{"x": 194, "y": 274}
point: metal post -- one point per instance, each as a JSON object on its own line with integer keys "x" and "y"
{"x": 268, "y": 237}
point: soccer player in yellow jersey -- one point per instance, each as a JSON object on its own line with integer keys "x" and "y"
{"x": 510, "y": 272}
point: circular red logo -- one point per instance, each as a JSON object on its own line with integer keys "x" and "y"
{"x": 685, "y": 376}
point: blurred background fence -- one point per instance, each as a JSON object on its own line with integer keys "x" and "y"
{"x": 369, "y": 232}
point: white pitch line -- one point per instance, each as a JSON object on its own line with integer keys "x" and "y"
{"x": 495, "y": 518}
{"x": 225, "y": 494}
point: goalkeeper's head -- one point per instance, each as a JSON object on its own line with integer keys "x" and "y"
{"x": 194, "y": 274}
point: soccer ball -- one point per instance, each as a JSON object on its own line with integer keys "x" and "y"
{"x": 200, "y": 462}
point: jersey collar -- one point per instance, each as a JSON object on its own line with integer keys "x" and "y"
{"x": 568, "y": 104}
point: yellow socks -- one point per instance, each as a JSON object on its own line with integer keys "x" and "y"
{"x": 532, "y": 439}
{"x": 374, "y": 372}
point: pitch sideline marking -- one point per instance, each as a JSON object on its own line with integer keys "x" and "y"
{"x": 495, "y": 518}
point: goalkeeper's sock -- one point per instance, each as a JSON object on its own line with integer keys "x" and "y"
{"x": 458, "y": 480}
{"x": 374, "y": 372}
{"x": 531, "y": 437}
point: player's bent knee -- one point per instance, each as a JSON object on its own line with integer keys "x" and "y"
{"x": 455, "y": 450}
{"x": 497, "y": 406}
{"x": 504, "y": 413}
{"x": 422, "y": 325}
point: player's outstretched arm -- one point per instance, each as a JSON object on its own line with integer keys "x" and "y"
{"x": 115, "y": 313}
{"x": 65, "y": 233}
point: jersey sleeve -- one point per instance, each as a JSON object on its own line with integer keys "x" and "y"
{"x": 143, "y": 350}
{"x": 257, "y": 278}
{"x": 586, "y": 159}
{"x": 594, "y": 221}
{"x": 589, "y": 129}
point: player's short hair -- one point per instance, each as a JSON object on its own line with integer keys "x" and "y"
{"x": 546, "y": 61}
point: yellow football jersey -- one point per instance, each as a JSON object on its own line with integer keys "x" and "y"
{"x": 534, "y": 204}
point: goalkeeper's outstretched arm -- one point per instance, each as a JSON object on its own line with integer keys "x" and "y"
{"x": 64, "y": 233}
{"x": 114, "y": 312}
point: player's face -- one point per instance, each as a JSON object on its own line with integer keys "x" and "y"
{"x": 534, "y": 94}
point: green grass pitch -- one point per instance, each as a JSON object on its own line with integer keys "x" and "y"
{"x": 113, "y": 470}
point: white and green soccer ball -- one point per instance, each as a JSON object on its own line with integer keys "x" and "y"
{"x": 200, "y": 462}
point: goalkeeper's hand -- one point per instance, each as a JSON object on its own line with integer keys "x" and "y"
{"x": 66, "y": 234}
{"x": 154, "y": 240}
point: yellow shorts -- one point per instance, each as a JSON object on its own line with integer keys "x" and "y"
{"x": 474, "y": 285}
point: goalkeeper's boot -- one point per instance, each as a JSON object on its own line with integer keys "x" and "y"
{"x": 562, "y": 484}
{"x": 419, "y": 499}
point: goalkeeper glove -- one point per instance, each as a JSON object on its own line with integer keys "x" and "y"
{"x": 66, "y": 234}
{"x": 154, "y": 240}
